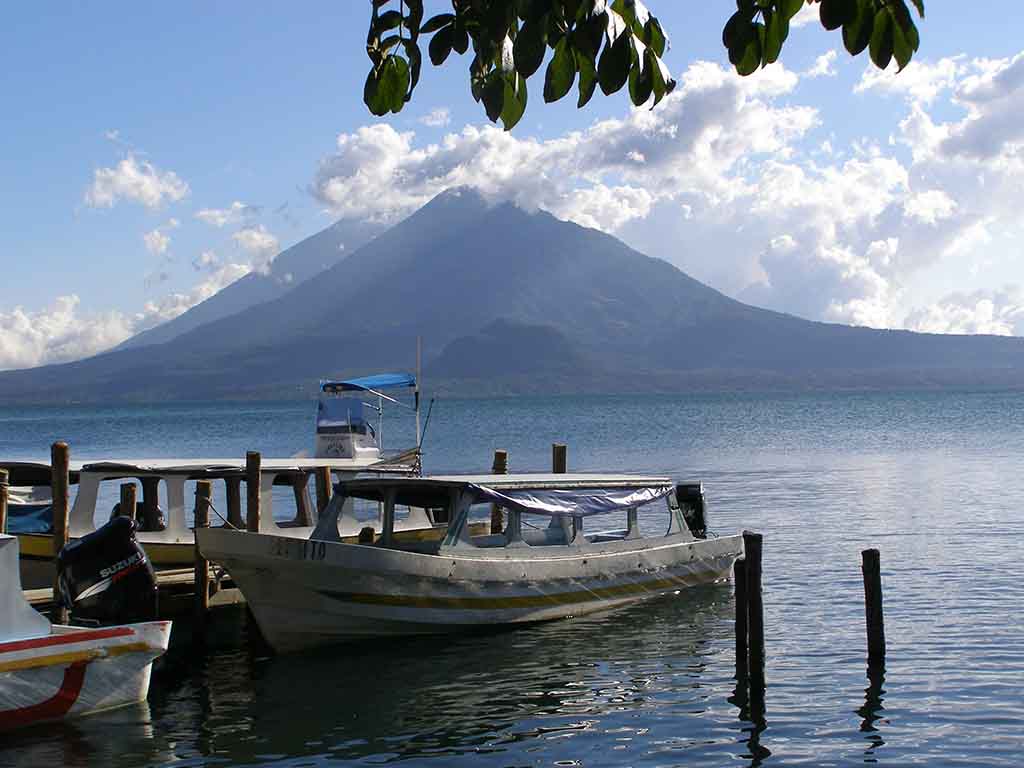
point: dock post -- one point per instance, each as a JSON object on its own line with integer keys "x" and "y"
{"x": 126, "y": 507}
{"x": 871, "y": 568}
{"x": 558, "y": 458}
{"x": 60, "y": 458}
{"x": 3, "y": 500}
{"x": 752, "y": 546}
{"x": 252, "y": 491}
{"x": 739, "y": 570}
{"x": 234, "y": 497}
{"x": 498, "y": 467}
{"x": 204, "y": 489}
{"x": 150, "y": 504}
{"x": 323, "y": 489}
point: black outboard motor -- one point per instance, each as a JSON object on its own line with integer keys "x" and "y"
{"x": 106, "y": 578}
{"x": 690, "y": 497}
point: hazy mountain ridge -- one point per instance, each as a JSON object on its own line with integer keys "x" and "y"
{"x": 509, "y": 301}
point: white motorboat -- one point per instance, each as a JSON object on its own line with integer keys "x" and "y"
{"x": 166, "y": 490}
{"x": 48, "y": 672}
{"x": 542, "y": 564}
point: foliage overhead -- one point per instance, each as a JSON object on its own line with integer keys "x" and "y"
{"x": 596, "y": 43}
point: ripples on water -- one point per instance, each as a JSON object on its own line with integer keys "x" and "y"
{"x": 932, "y": 480}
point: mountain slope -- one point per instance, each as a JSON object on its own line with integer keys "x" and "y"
{"x": 514, "y": 300}
{"x": 292, "y": 266}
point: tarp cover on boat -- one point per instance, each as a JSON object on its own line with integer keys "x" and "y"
{"x": 366, "y": 383}
{"x": 575, "y": 502}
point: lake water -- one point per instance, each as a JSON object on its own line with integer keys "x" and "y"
{"x": 934, "y": 480}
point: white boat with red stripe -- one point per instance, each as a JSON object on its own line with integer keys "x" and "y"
{"x": 48, "y": 672}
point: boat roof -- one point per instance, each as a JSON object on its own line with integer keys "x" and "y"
{"x": 370, "y": 383}
{"x": 38, "y": 472}
{"x": 433, "y": 491}
{"x": 217, "y": 467}
{"x": 30, "y": 473}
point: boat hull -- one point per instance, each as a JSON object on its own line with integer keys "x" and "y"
{"x": 311, "y": 593}
{"x": 74, "y": 671}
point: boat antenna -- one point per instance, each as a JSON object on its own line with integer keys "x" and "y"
{"x": 419, "y": 365}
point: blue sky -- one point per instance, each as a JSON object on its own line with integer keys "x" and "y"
{"x": 221, "y": 103}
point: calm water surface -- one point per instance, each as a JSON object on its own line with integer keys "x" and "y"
{"x": 934, "y": 481}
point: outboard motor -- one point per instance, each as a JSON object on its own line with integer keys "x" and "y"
{"x": 106, "y": 578}
{"x": 690, "y": 497}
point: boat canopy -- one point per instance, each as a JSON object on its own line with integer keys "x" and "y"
{"x": 370, "y": 383}
{"x": 579, "y": 502}
{"x": 575, "y": 495}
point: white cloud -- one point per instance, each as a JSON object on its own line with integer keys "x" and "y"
{"x": 824, "y": 66}
{"x": 58, "y": 333}
{"x": 1000, "y": 313}
{"x": 61, "y": 332}
{"x": 437, "y": 118}
{"x": 930, "y": 206}
{"x": 262, "y": 246}
{"x": 809, "y": 14}
{"x": 173, "y": 304}
{"x": 221, "y": 217}
{"x": 137, "y": 181}
{"x": 157, "y": 240}
{"x": 205, "y": 260}
{"x": 920, "y": 81}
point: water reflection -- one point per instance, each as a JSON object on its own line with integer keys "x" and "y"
{"x": 871, "y": 711}
{"x": 627, "y": 673}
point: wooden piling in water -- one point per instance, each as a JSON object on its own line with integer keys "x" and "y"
{"x": 559, "y": 458}
{"x": 323, "y": 488}
{"x": 871, "y": 568}
{"x": 126, "y": 506}
{"x": 234, "y": 498}
{"x": 752, "y": 546}
{"x": 204, "y": 490}
{"x": 498, "y": 467}
{"x": 739, "y": 570}
{"x": 60, "y": 458}
{"x": 3, "y": 500}
{"x": 252, "y": 491}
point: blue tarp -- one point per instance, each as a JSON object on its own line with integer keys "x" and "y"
{"x": 375, "y": 382}
{"x": 29, "y": 518}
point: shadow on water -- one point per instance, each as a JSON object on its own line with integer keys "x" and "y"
{"x": 641, "y": 674}
{"x": 871, "y": 711}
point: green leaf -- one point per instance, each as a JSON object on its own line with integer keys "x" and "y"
{"x": 588, "y": 79}
{"x": 615, "y": 63}
{"x": 435, "y": 23}
{"x": 460, "y": 39}
{"x": 441, "y": 45}
{"x": 745, "y": 51}
{"x": 515, "y": 100}
{"x": 919, "y": 4}
{"x": 660, "y": 79}
{"x": 386, "y": 21}
{"x": 857, "y": 29}
{"x": 641, "y": 82}
{"x": 412, "y": 50}
{"x": 493, "y": 95}
{"x": 530, "y": 46}
{"x": 882, "y": 43}
{"x": 561, "y": 72}
{"x": 789, "y": 8}
{"x": 654, "y": 36}
{"x": 776, "y": 32}
{"x": 385, "y": 89}
{"x": 836, "y": 13}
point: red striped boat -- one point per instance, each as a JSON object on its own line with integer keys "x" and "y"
{"x": 49, "y": 672}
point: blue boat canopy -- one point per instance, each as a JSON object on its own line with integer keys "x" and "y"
{"x": 370, "y": 383}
